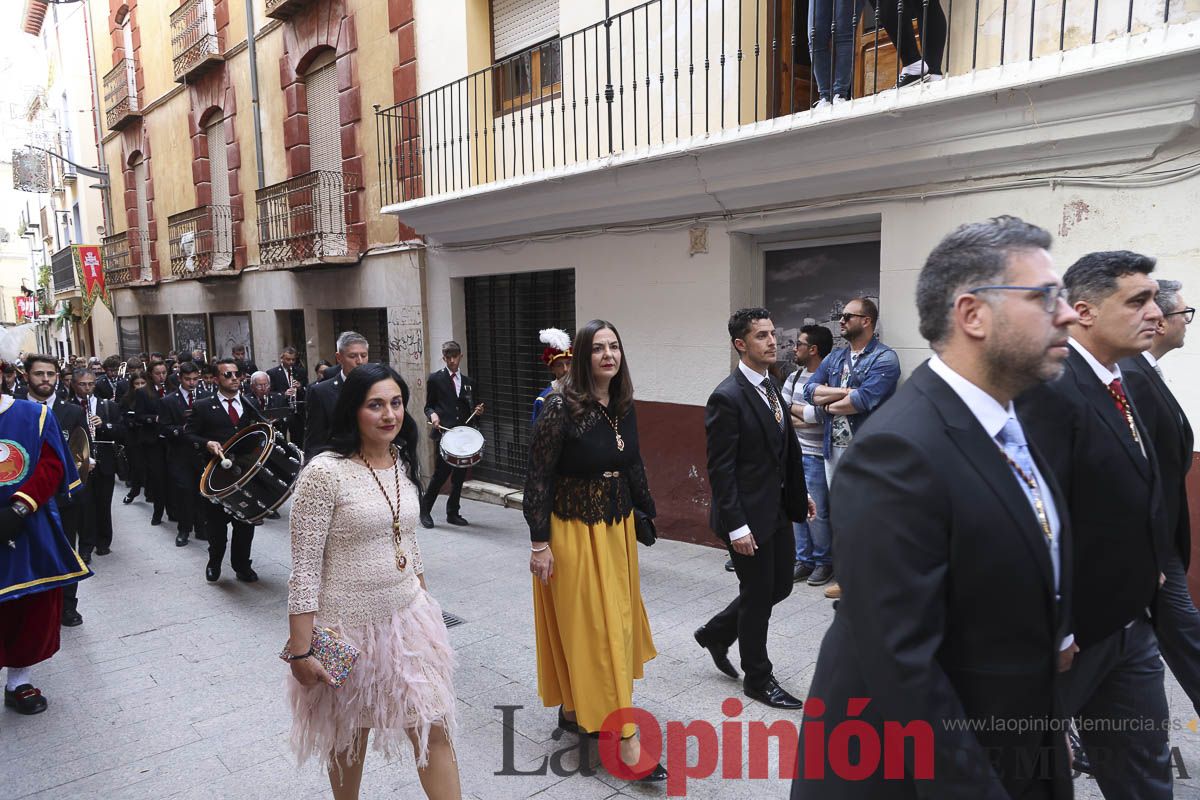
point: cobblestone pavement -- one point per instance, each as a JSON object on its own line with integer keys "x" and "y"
{"x": 171, "y": 687}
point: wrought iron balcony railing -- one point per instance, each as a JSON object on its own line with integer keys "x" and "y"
{"x": 62, "y": 267}
{"x": 120, "y": 94}
{"x": 282, "y": 9}
{"x": 668, "y": 70}
{"x": 194, "y": 42}
{"x": 201, "y": 242}
{"x": 126, "y": 259}
{"x": 306, "y": 219}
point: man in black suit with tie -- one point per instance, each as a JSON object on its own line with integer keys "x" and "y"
{"x": 105, "y": 421}
{"x": 147, "y": 407}
{"x": 322, "y": 397}
{"x": 42, "y": 373}
{"x": 955, "y": 550}
{"x": 214, "y": 421}
{"x": 185, "y": 460}
{"x": 449, "y": 402}
{"x": 758, "y": 491}
{"x": 1099, "y": 450}
{"x": 1176, "y": 620}
{"x": 289, "y": 371}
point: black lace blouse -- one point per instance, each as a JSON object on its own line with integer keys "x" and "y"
{"x": 577, "y": 472}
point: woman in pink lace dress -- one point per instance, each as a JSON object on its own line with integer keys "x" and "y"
{"x": 356, "y": 568}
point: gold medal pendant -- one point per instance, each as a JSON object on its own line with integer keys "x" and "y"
{"x": 401, "y": 562}
{"x": 620, "y": 443}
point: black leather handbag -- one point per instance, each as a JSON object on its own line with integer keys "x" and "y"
{"x": 643, "y": 525}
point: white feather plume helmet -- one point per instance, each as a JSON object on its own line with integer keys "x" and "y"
{"x": 558, "y": 345}
{"x": 11, "y": 340}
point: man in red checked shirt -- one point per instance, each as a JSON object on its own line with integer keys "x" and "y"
{"x": 36, "y": 560}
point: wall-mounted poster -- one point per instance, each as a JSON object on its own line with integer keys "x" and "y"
{"x": 230, "y": 331}
{"x": 129, "y": 332}
{"x": 811, "y": 285}
{"x": 190, "y": 333}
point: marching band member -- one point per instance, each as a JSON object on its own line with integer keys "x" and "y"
{"x": 557, "y": 358}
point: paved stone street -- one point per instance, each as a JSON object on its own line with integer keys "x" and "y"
{"x": 171, "y": 687}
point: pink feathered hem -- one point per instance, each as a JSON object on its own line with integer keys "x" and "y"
{"x": 402, "y": 682}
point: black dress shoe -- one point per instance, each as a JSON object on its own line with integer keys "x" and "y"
{"x": 456, "y": 519}
{"x": 102, "y": 551}
{"x": 656, "y": 775}
{"x": 25, "y": 699}
{"x": 127, "y": 499}
{"x": 246, "y": 575}
{"x": 569, "y": 725}
{"x": 86, "y": 557}
{"x": 720, "y": 656}
{"x": 181, "y": 540}
{"x": 71, "y": 619}
{"x": 212, "y": 574}
{"x": 729, "y": 565}
{"x": 773, "y": 695}
{"x": 426, "y": 520}
{"x": 156, "y": 520}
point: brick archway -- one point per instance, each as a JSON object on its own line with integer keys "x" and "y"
{"x": 134, "y": 142}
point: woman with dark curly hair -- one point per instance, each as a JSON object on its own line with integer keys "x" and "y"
{"x": 585, "y": 478}
{"x": 356, "y": 569}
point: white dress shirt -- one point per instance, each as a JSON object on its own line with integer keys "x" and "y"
{"x": 992, "y": 417}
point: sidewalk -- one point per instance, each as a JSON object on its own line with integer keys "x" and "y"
{"x": 171, "y": 688}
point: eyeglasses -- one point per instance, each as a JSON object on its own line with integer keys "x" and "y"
{"x": 847, "y": 316}
{"x": 234, "y": 374}
{"x": 1050, "y": 294}
{"x": 1188, "y": 314}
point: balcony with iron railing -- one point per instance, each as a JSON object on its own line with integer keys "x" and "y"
{"x": 667, "y": 76}
{"x": 201, "y": 242}
{"x": 195, "y": 45}
{"x": 120, "y": 94}
{"x": 62, "y": 268}
{"x": 126, "y": 259}
{"x": 282, "y": 9}
{"x": 306, "y": 220}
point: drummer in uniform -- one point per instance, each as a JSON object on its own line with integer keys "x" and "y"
{"x": 557, "y": 358}
{"x": 449, "y": 402}
{"x": 213, "y": 422}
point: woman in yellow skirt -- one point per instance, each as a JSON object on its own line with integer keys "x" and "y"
{"x": 585, "y": 478}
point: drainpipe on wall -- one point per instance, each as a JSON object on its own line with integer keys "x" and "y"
{"x": 252, "y": 53}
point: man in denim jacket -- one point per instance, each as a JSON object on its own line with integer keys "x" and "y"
{"x": 851, "y": 382}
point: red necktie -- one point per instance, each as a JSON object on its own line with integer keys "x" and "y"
{"x": 190, "y": 395}
{"x": 162, "y": 392}
{"x": 1123, "y": 408}
{"x": 233, "y": 415}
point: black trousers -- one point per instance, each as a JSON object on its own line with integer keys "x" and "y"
{"x": 441, "y": 472}
{"x": 764, "y": 579}
{"x": 71, "y": 515}
{"x": 184, "y": 483}
{"x": 154, "y": 460}
{"x": 931, "y": 23}
{"x": 217, "y": 522}
{"x": 98, "y": 530}
{"x": 1177, "y": 625}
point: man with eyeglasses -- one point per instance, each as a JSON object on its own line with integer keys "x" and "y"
{"x": 213, "y": 422}
{"x": 1100, "y": 451}
{"x": 1176, "y": 620}
{"x": 851, "y": 383}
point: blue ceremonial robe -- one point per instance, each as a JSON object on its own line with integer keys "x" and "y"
{"x": 540, "y": 401}
{"x": 43, "y": 558}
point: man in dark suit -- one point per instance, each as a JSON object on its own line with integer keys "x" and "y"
{"x": 105, "y": 422}
{"x": 758, "y": 491}
{"x": 1176, "y": 620}
{"x": 955, "y": 547}
{"x": 214, "y": 421}
{"x": 449, "y": 402}
{"x": 147, "y": 407}
{"x": 322, "y": 397}
{"x": 244, "y": 364}
{"x": 289, "y": 379}
{"x": 185, "y": 460}
{"x": 42, "y": 373}
{"x": 1098, "y": 448}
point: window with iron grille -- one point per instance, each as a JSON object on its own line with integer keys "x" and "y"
{"x": 504, "y": 315}
{"x": 370, "y": 322}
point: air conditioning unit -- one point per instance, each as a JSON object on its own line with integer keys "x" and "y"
{"x": 187, "y": 246}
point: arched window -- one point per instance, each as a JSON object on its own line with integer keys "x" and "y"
{"x": 141, "y": 238}
{"x": 325, "y": 157}
{"x": 219, "y": 212}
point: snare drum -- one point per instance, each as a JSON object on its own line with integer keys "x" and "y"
{"x": 265, "y": 466}
{"x": 461, "y": 447}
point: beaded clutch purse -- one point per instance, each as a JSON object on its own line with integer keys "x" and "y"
{"x": 336, "y": 655}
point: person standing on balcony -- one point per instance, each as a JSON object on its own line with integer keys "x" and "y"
{"x": 851, "y": 383}
{"x": 449, "y": 402}
{"x": 922, "y": 64}
{"x": 831, "y": 25}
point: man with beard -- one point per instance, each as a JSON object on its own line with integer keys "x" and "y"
{"x": 954, "y": 548}
{"x": 1099, "y": 450}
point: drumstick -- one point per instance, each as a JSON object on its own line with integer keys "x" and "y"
{"x": 468, "y": 422}
{"x": 226, "y": 463}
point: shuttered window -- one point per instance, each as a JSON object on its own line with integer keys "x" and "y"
{"x": 219, "y": 217}
{"x": 520, "y": 24}
{"x": 504, "y": 315}
{"x": 371, "y": 323}
{"x": 324, "y": 128}
{"x": 141, "y": 239}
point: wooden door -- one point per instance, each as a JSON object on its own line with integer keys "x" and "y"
{"x": 790, "y": 86}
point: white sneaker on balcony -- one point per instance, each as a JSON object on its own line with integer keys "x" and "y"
{"x": 822, "y": 103}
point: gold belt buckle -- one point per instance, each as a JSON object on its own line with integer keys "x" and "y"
{"x": 613, "y": 474}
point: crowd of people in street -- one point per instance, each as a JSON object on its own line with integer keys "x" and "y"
{"x": 1004, "y": 534}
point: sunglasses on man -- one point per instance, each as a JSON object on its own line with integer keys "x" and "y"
{"x": 233, "y": 374}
